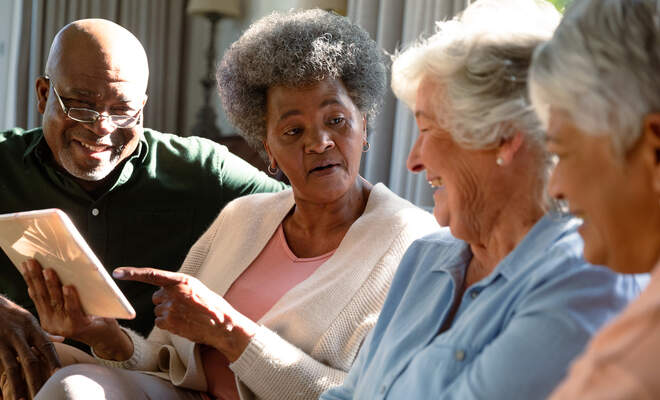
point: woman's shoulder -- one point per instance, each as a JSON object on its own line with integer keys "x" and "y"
{"x": 389, "y": 208}
{"x": 260, "y": 202}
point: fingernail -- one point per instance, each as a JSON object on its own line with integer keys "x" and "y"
{"x": 118, "y": 274}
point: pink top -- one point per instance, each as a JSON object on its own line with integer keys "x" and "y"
{"x": 273, "y": 273}
{"x": 621, "y": 361}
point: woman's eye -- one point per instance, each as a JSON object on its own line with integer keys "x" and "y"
{"x": 293, "y": 131}
{"x": 336, "y": 120}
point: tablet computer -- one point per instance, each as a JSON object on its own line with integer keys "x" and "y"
{"x": 50, "y": 237}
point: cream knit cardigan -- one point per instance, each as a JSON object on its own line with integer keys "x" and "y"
{"x": 308, "y": 340}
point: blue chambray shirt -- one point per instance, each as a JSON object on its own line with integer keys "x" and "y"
{"x": 516, "y": 330}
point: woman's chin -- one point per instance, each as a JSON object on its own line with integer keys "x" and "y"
{"x": 441, "y": 216}
{"x": 440, "y": 210}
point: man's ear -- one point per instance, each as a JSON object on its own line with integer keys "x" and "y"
{"x": 42, "y": 86}
{"x": 651, "y": 142}
{"x": 509, "y": 147}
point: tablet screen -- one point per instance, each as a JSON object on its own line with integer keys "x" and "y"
{"x": 50, "y": 237}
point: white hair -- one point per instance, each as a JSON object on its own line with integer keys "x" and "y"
{"x": 480, "y": 60}
{"x": 601, "y": 67}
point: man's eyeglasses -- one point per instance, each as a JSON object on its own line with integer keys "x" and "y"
{"x": 88, "y": 116}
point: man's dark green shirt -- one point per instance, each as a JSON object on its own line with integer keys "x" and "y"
{"x": 167, "y": 193}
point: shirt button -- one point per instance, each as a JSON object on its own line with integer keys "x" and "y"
{"x": 474, "y": 294}
{"x": 383, "y": 389}
{"x": 459, "y": 355}
{"x": 95, "y": 211}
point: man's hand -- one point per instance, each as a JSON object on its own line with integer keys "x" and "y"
{"x": 186, "y": 307}
{"x": 27, "y": 354}
{"x": 58, "y": 306}
{"x": 61, "y": 313}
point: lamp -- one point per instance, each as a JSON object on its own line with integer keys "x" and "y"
{"x": 338, "y": 6}
{"x": 213, "y": 10}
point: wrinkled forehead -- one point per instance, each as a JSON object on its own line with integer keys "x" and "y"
{"x": 100, "y": 91}
{"x": 96, "y": 79}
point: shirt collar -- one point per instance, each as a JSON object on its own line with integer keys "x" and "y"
{"x": 456, "y": 252}
{"x": 34, "y": 147}
{"x": 546, "y": 231}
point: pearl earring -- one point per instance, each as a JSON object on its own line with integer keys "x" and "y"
{"x": 499, "y": 161}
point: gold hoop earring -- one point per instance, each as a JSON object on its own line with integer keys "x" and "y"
{"x": 366, "y": 146}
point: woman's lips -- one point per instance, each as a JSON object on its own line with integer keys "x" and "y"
{"x": 435, "y": 182}
{"x": 324, "y": 169}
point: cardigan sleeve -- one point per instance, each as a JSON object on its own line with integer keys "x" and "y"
{"x": 273, "y": 368}
{"x": 145, "y": 351}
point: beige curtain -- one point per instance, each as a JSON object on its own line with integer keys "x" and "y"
{"x": 158, "y": 24}
{"x": 393, "y": 24}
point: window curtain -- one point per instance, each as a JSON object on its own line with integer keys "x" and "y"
{"x": 158, "y": 24}
{"x": 395, "y": 24}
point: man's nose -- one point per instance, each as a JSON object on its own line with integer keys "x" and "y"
{"x": 103, "y": 126}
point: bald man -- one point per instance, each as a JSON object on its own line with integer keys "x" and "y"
{"x": 139, "y": 197}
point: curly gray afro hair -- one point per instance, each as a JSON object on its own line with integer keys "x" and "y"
{"x": 295, "y": 49}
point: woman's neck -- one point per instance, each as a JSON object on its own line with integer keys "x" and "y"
{"x": 505, "y": 232}
{"x": 314, "y": 228}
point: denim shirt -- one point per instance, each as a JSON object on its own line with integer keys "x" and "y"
{"x": 516, "y": 330}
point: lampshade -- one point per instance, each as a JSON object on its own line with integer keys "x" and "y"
{"x": 230, "y": 8}
{"x": 336, "y": 5}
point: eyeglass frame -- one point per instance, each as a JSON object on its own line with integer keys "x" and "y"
{"x": 135, "y": 119}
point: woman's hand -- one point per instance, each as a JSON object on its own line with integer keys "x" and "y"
{"x": 60, "y": 313}
{"x": 186, "y": 307}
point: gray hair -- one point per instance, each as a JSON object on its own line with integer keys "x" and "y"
{"x": 294, "y": 49}
{"x": 481, "y": 60}
{"x": 601, "y": 68}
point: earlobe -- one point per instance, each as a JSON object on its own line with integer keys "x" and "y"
{"x": 42, "y": 86}
{"x": 508, "y": 149}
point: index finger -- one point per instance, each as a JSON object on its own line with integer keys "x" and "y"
{"x": 152, "y": 276}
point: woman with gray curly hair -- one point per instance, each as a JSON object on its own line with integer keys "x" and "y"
{"x": 496, "y": 306}
{"x": 275, "y": 299}
{"x": 596, "y": 87}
